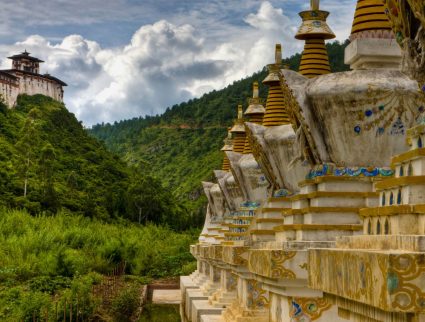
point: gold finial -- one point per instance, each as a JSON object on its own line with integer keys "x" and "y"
{"x": 314, "y": 5}
{"x": 240, "y": 114}
{"x": 255, "y": 91}
{"x": 278, "y": 54}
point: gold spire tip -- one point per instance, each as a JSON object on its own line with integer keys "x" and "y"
{"x": 314, "y": 5}
{"x": 255, "y": 91}
{"x": 278, "y": 54}
{"x": 240, "y": 114}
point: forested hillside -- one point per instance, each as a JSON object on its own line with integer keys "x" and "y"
{"x": 182, "y": 146}
{"x": 48, "y": 162}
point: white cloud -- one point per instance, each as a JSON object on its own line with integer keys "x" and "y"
{"x": 163, "y": 64}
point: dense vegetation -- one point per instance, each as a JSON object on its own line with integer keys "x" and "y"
{"x": 182, "y": 146}
{"x": 47, "y": 260}
{"x": 48, "y": 162}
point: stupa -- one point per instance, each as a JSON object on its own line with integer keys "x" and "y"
{"x": 338, "y": 233}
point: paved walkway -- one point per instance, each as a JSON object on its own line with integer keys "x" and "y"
{"x": 166, "y": 296}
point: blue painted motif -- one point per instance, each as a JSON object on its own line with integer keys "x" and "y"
{"x": 392, "y": 282}
{"x": 351, "y": 172}
{"x": 297, "y": 308}
{"x": 282, "y": 193}
{"x": 250, "y": 204}
{"x": 357, "y": 129}
{"x": 368, "y": 113}
{"x": 397, "y": 127}
{"x": 380, "y": 131}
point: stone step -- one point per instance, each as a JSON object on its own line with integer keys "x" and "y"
{"x": 283, "y": 202}
{"x": 263, "y": 235}
{"x": 211, "y": 318}
{"x": 190, "y": 296}
{"x": 266, "y": 226}
{"x": 201, "y": 307}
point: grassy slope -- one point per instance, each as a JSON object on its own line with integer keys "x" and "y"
{"x": 182, "y": 145}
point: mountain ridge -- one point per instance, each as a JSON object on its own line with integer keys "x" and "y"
{"x": 182, "y": 146}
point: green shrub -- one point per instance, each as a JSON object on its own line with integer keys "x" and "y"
{"x": 126, "y": 303}
{"x": 188, "y": 268}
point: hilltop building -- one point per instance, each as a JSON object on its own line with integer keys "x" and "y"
{"x": 24, "y": 78}
{"x": 318, "y": 213}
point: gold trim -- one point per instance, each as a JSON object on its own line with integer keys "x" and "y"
{"x": 407, "y": 156}
{"x": 392, "y": 210}
{"x": 401, "y": 181}
{"x": 307, "y": 210}
{"x": 266, "y": 210}
{"x": 227, "y": 243}
{"x": 262, "y": 232}
{"x": 272, "y": 220}
{"x": 278, "y": 199}
{"x": 330, "y": 194}
{"x": 235, "y": 234}
{"x": 318, "y": 227}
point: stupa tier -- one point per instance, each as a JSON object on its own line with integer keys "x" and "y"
{"x": 318, "y": 214}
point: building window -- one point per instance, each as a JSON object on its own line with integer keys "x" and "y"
{"x": 401, "y": 172}
{"x": 410, "y": 170}
{"x": 378, "y": 228}
{"x": 383, "y": 199}
{"x": 419, "y": 142}
{"x": 386, "y": 227}
{"x": 391, "y": 199}
{"x": 369, "y": 227}
{"x": 399, "y": 197}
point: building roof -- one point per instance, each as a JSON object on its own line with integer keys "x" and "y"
{"x": 25, "y": 55}
{"x": 4, "y": 73}
{"x": 46, "y": 76}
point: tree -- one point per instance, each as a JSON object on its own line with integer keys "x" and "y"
{"x": 46, "y": 165}
{"x": 26, "y": 145}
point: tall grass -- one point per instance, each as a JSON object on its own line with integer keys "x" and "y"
{"x": 44, "y": 258}
{"x": 69, "y": 245}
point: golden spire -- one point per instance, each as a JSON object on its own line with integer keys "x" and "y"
{"x": 228, "y": 146}
{"x": 370, "y": 20}
{"x": 276, "y": 113}
{"x": 254, "y": 113}
{"x": 238, "y": 131}
{"x": 314, "y": 30}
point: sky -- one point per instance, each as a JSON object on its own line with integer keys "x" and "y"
{"x": 129, "y": 58}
